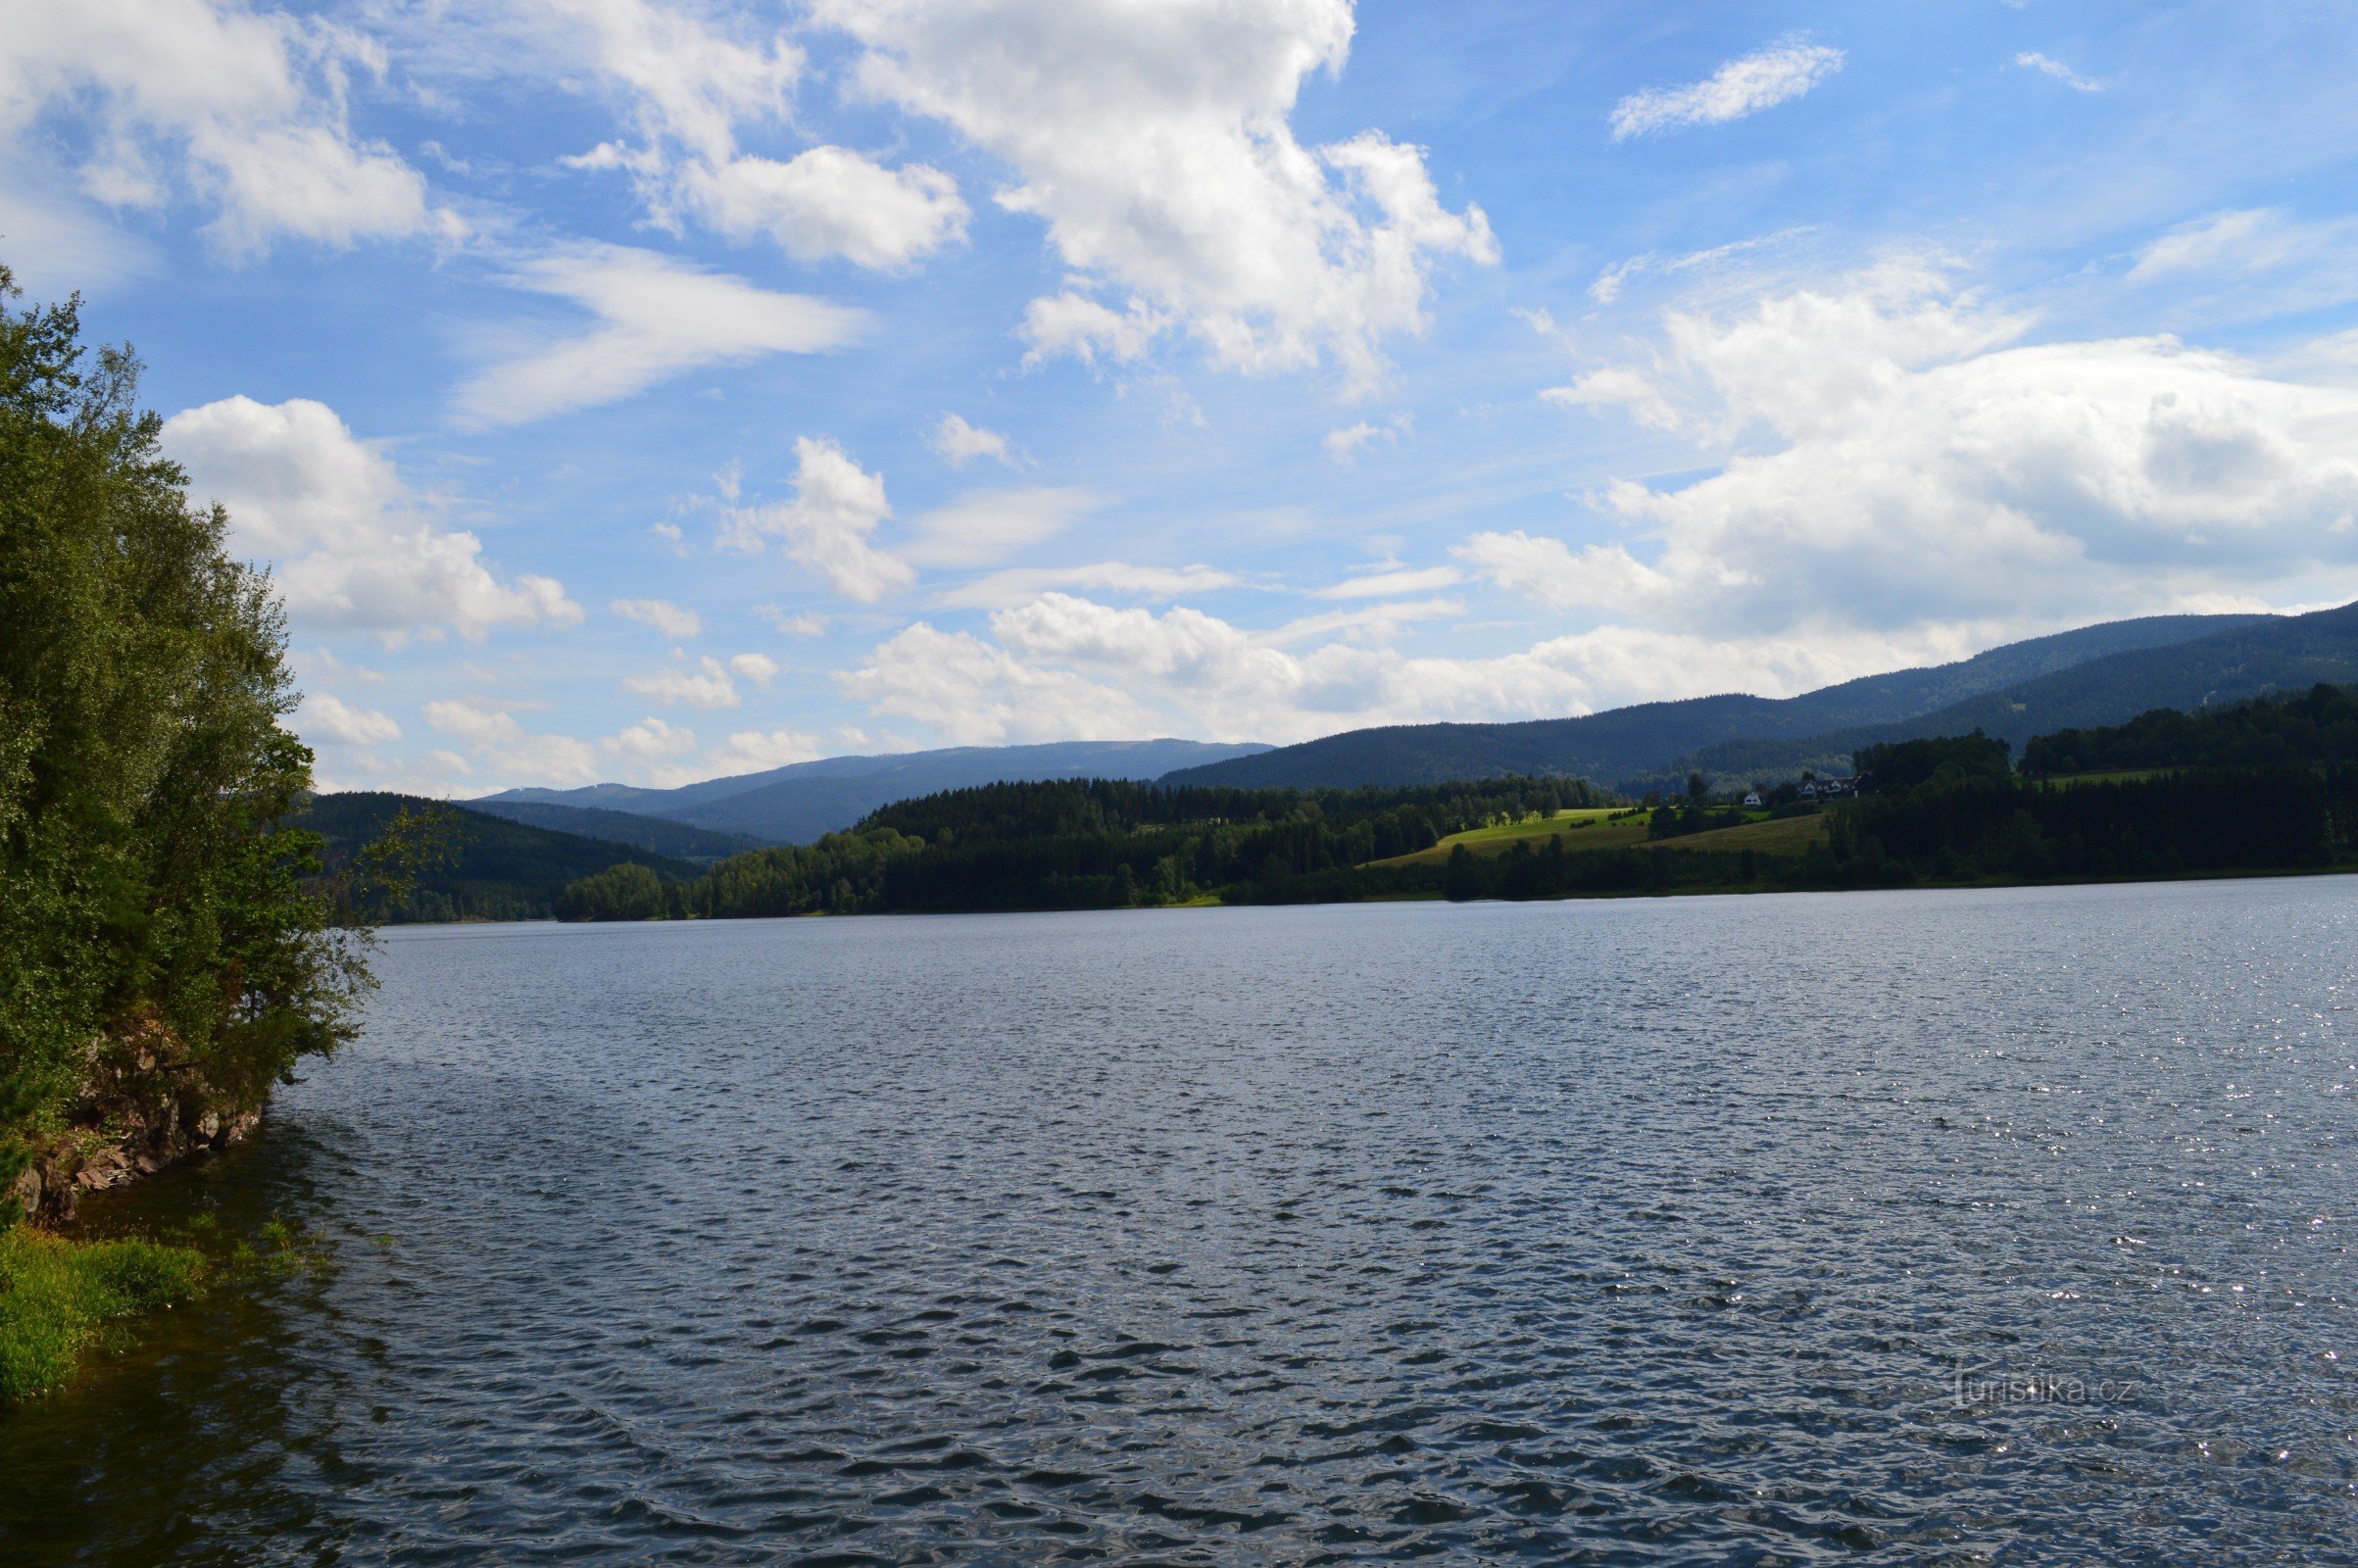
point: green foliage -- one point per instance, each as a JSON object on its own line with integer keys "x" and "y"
{"x": 2320, "y": 726}
{"x": 60, "y": 1299}
{"x": 1945, "y": 761}
{"x": 1089, "y": 843}
{"x": 394, "y": 859}
{"x": 145, "y": 879}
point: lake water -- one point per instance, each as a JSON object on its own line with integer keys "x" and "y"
{"x": 2004, "y": 1227}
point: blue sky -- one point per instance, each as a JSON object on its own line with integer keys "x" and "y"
{"x": 650, "y": 391}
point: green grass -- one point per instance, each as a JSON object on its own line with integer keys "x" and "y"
{"x": 62, "y": 1299}
{"x": 2118, "y": 775}
{"x": 1583, "y": 827}
{"x": 1587, "y": 829}
{"x": 1791, "y": 835}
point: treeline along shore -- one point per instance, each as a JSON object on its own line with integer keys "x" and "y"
{"x": 169, "y": 945}
{"x": 2260, "y": 787}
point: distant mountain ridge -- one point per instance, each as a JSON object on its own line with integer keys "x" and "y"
{"x": 1625, "y": 743}
{"x": 2272, "y": 654}
{"x": 655, "y": 835}
{"x": 803, "y": 801}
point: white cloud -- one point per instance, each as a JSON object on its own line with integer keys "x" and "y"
{"x": 1061, "y": 667}
{"x": 1070, "y": 323}
{"x": 2255, "y": 240}
{"x": 510, "y": 753}
{"x": 705, "y": 684}
{"x": 960, "y": 443}
{"x": 665, "y": 617}
{"x": 650, "y": 740}
{"x": 1891, "y": 451}
{"x": 472, "y": 723}
{"x": 831, "y": 201}
{"x": 349, "y": 547}
{"x": 760, "y": 669}
{"x": 1784, "y": 71}
{"x": 1344, "y": 445}
{"x": 755, "y": 750}
{"x": 1619, "y": 386}
{"x": 985, "y": 526}
{"x": 2047, "y": 66}
{"x": 792, "y": 623}
{"x": 326, "y": 714}
{"x": 659, "y": 317}
{"x": 837, "y": 505}
{"x": 240, "y": 111}
{"x": 1157, "y": 146}
{"x": 690, "y": 86}
{"x": 1361, "y": 623}
{"x": 1386, "y": 583}
{"x": 2243, "y": 241}
{"x": 1000, "y": 589}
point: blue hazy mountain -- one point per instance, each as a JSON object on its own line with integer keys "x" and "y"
{"x": 1626, "y": 743}
{"x": 796, "y": 804}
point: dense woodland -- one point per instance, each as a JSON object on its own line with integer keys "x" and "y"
{"x": 2258, "y": 787}
{"x": 161, "y": 933}
{"x": 459, "y": 864}
{"x": 1087, "y": 844}
{"x": 2320, "y": 726}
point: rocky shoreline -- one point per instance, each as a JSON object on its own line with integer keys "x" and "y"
{"x": 139, "y": 1112}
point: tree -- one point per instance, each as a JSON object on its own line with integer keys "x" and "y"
{"x": 158, "y": 925}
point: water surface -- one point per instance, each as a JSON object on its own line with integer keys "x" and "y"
{"x": 2006, "y": 1227}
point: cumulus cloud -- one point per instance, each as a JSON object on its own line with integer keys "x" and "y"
{"x": 1073, "y": 326}
{"x": 650, "y": 740}
{"x": 350, "y": 545}
{"x": 702, "y": 684}
{"x": 238, "y": 111}
{"x": 325, "y": 715}
{"x": 960, "y": 443}
{"x": 837, "y": 505}
{"x": 1060, "y": 667}
{"x": 757, "y": 751}
{"x": 985, "y": 526}
{"x": 1156, "y": 145}
{"x": 663, "y": 615}
{"x": 658, "y": 318}
{"x": 792, "y": 623}
{"x": 760, "y": 669}
{"x": 1893, "y": 451}
{"x": 507, "y": 751}
{"x": 831, "y": 201}
{"x": 1784, "y": 71}
{"x": 689, "y": 85}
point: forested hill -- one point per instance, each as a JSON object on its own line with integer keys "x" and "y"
{"x": 1078, "y": 843}
{"x": 1627, "y": 742}
{"x": 2272, "y": 656}
{"x": 2318, "y": 726}
{"x": 496, "y": 870}
{"x": 798, "y": 803}
{"x": 681, "y": 841}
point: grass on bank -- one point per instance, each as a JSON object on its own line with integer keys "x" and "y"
{"x": 62, "y": 1299}
{"x": 1789, "y": 835}
{"x": 1592, "y": 828}
{"x": 1584, "y": 828}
